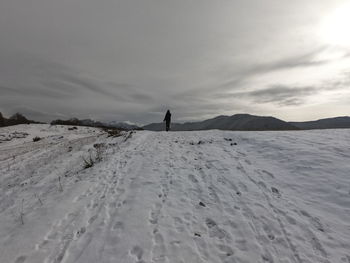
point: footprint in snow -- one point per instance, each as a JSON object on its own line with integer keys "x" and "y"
{"x": 137, "y": 252}
{"x": 275, "y": 192}
{"x": 118, "y": 225}
{"x": 92, "y": 219}
{"x": 80, "y": 232}
{"x": 315, "y": 221}
{"x": 20, "y": 259}
{"x": 210, "y": 223}
{"x": 192, "y": 178}
{"x": 225, "y": 249}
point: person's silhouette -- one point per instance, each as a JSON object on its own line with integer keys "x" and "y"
{"x": 167, "y": 120}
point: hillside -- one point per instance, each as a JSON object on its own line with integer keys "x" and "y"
{"x": 329, "y": 123}
{"x": 238, "y": 122}
{"x": 207, "y": 196}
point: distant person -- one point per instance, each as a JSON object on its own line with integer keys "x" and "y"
{"x": 167, "y": 120}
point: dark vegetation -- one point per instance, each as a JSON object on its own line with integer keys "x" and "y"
{"x": 77, "y": 122}
{"x": 113, "y": 132}
{"x": 14, "y": 120}
{"x": 97, "y": 124}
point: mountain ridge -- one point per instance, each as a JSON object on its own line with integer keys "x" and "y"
{"x": 327, "y": 123}
{"x": 238, "y": 122}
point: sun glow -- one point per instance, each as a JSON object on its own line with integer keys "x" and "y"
{"x": 336, "y": 27}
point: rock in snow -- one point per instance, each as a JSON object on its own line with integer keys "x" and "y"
{"x": 159, "y": 197}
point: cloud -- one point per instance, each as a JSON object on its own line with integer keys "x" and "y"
{"x": 287, "y": 95}
{"x": 91, "y": 85}
{"x": 238, "y": 76}
{"x": 31, "y": 76}
{"x": 32, "y": 91}
{"x": 142, "y": 98}
{"x": 307, "y": 59}
{"x": 281, "y": 95}
{"x": 35, "y": 114}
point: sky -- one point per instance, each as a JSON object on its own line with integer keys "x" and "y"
{"x": 131, "y": 60}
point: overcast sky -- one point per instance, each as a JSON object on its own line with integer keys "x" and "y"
{"x": 132, "y": 60}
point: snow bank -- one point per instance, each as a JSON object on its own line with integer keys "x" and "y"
{"x": 210, "y": 196}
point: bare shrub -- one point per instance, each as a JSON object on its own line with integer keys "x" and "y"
{"x": 36, "y": 139}
{"x": 37, "y": 197}
{"x": 21, "y": 213}
{"x": 60, "y": 184}
{"x": 128, "y": 135}
{"x": 100, "y": 149}
{"x": 113, "y": 132}
{"x": 88, "y": 163}
{"x": 95, "y": 155}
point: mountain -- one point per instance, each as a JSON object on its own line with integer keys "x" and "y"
{"x": 238, "y": 122}
{"x": 14, "y": 120}
{"x": 329, "y": 123}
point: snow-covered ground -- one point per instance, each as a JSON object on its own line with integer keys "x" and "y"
{"x": 209, "y": 196}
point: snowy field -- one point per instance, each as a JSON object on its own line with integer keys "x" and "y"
{"x": 189, "y": 197}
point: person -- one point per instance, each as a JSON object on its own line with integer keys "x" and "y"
{"x": 167, "y": 120}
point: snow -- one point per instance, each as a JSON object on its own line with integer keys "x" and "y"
{"x": 208, "y": 196}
